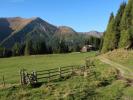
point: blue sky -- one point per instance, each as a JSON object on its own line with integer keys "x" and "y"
{"x": 82, "y": 15}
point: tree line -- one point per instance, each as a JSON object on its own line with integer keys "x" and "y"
{"x": 53, "y": 45}
{"x": 119, "y": 32}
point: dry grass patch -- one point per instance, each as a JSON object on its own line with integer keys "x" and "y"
{"x": 119, "y": 53}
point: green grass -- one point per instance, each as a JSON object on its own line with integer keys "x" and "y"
{"x": 113, "y": 91}
{"x": 124, "y": 58}
{"x": 101, "y": 86}
{"x": 127, "y": 62}
{"x": 72, "y": 88}
{"x": 10, "y": 66}
{"x": 128, "y": 93}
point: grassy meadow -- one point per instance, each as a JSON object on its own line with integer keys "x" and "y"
{"x": 102, "y": 84}
{"x": 9, "y": 67}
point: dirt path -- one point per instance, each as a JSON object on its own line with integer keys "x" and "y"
{"x": 125, "y": 71}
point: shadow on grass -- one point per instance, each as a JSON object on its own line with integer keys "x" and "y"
{"x": 39, "y": 84}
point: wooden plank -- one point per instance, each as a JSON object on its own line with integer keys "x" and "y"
{"x": 54, "y": 75}
{"x": 66, "y": 72}
{"x": 56, "y": 71}
{"x": 48, "y": 76}
{"x": 42, "y": 77}
{"x": 66, "y": 69}
{"x": 43, "y": 73}
{"x": 48, "y": 70}
{"x": 52, "y": 70}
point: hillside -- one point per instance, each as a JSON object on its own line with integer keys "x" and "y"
{"x": 64, "y": 30}
{"x": 17, "y": 29}
{"x": 20, "y": 29}
{"x": 66, "y": 33}
{"x": 9, "y": 25}
{"x": 94, "y": 33}
{"x": 20, "y": 36}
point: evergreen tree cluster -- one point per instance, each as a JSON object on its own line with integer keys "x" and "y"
{"x": 55, "y": 44}
{"x": 119, "y": 32}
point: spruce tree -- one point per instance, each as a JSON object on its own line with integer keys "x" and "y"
{"x": 28, "y": 47}
{"x": 126, "y": 26}
{"x": 16, "y": 50}
{"x": 117, "y": 22}
{"x": 1, "y": 52}
{"x": 110, "y": 40}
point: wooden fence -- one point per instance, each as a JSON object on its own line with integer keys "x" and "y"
{"x": 57, "y": 72}
{"x": 48, "y": 75}
{"x": 2, "y": 81}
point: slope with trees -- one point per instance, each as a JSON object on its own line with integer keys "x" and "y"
{"x": 36, "y": 36}
{"x": 119, "y": 32}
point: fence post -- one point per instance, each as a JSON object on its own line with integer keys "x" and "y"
{"x": 72, "y": 69}
{"x": 21, "y": 77}
{"x": 3, "y": 78}
{"x": 35, "y": 74}
{"x": 60, "y": 72}
{"x": 27, "y": 78}
{"x": 22, "y": 80}
{"x": 49, "y": 76}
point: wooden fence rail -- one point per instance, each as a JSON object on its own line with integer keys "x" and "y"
{"x": 47, "y": 75}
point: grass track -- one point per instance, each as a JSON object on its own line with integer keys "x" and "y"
{"x": 125, "y": 71}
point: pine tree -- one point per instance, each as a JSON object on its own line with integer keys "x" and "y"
{"x": 63, "y": 47}
{"x": 126, "y": 26}
{"x": 28, "y": 47}
{"x": 16, "y": 50}
{"x": 117, "y": 22}
{"x": 43, "y": 47}
{"x": 101, "y": 42}
{"x": 109, "y": 41}
{"x": 1, "y": 51}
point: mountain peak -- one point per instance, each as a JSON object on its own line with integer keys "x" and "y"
{"x": 13, "y": 23}
{"x": 35, "y": 18}
{"x": 93, "y": 33}
{"x": 65, "y": 30}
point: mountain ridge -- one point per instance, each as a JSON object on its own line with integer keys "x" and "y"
{"x": 19, "y": 29}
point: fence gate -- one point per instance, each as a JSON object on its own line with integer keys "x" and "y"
{"x": 27, "y": 78}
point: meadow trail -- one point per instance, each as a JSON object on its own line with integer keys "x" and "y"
{"x": 125, "y": 71}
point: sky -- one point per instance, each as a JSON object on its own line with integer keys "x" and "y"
{"x": 81, "y": 15}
